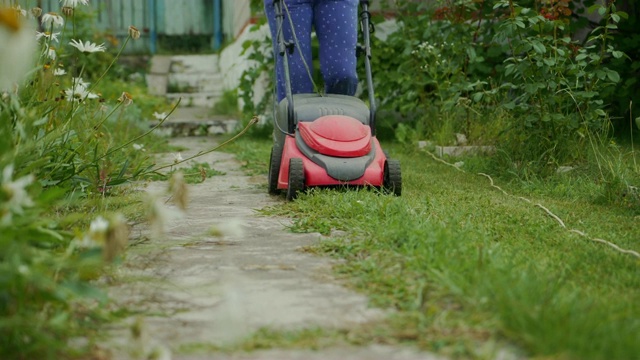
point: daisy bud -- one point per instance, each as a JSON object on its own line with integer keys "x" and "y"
{"x": 179, "y": 190}
{"x": 134, "y": 32}
{"x": 36, "y": 12}
{"x": 67, "y": 11}
{"x": 116, "y": 238}
{"x": 126, "y": 99}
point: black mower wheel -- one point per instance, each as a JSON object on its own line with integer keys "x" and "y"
{"x": 392, "y": 177}
{"x": 274, "y": 169}
{"x": 296, "y": 178}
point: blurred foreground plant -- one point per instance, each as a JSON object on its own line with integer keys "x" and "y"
{"x": 61, "y": 142}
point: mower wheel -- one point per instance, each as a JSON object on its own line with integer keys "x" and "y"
{"x": 392, "y": 182}
{"x": 274, "y": 169}
{"x": 296, "y": 178}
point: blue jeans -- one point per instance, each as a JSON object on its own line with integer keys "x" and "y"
{"x": 336, "y": 26}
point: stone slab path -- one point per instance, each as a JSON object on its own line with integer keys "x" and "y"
{"x": 194, "y": 288}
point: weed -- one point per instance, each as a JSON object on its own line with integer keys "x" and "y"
{"x": 228, "y": 105}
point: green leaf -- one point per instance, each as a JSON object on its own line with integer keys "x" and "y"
{"x": 600, "y": 112}
{"x": 581, "y": 56}
{"x": 617, "y": 54}
{"x": 593, "y": 8}
{"x": 613, "y": 76}
{"x": 615, "y": 17}
{"x": 538, "y": 47}
{"x": 531, "y": 88}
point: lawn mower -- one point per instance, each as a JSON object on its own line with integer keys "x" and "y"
{"x": 325, "y": 140}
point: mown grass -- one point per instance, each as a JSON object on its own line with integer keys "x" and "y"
{"x": 466, "y": 265}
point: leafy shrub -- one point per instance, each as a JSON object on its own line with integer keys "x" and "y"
{"x": 510, "y": 75}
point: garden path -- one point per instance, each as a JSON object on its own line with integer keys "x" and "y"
{"x": 197, "y": 291}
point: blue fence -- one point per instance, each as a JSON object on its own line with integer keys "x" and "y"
{"x": 154, "y": 18}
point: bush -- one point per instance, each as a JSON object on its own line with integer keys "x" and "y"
{"x": 509, "y": 75}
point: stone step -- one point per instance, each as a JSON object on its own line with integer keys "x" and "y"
{"x": 202, "y": 99}
{"x": 196, "y": 128}
{"x": 194, "y": 121}
{"x": 195, "y": 64}
{"x": 196, "y": 82}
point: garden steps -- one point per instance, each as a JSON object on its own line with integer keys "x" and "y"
{"x": 195, "y": 121}
{"x": 196, "y": 79}
{"x": 198, "y": 82}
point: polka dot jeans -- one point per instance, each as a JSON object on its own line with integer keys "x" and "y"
{"x": 336, "y": 26}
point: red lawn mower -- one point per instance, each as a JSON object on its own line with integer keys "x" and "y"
{"x": 323, "y": 140}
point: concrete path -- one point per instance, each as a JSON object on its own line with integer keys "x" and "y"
{"x": 195, "y": 289}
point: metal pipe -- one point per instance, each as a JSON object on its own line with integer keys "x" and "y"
{"x": 153, "y": 31}
{"x": 217, "y": 24}
{"x": 366, "y": 32}
{"x": 283, "y": 49}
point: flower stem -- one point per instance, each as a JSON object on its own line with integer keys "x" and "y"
{"x": 141, "y": 136}
{"x": 126, "y": 41}
{"x": 253, "y": 121}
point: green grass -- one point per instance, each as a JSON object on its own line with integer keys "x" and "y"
{"x": 466, "y": 265}
{"x": 252, "y": 152}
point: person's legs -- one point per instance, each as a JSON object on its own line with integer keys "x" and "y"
{"x": 301, "y": 12}
{"x": 336, "y": 24}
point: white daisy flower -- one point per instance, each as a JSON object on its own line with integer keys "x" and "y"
{"x": 138, "y": 147}
{"x": 52, "y": 19}
{"x": 73, "y": 3}
{"x": 160, "y": 116}
{"x": 78, "y": 81}
{"x": 177, "y": 158}
{"x": 96, "y": 235}
{"x": 87, "y": 46}
{"x": 16, "y": 192}
{"x": 47, "y": 35}
{"x": 79, "y": 93}
{"x": 98, "y": 225}
{"x": 51, "y": 53}
{"x": 15, "y": 34}
{"x": 59, "y": 72}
